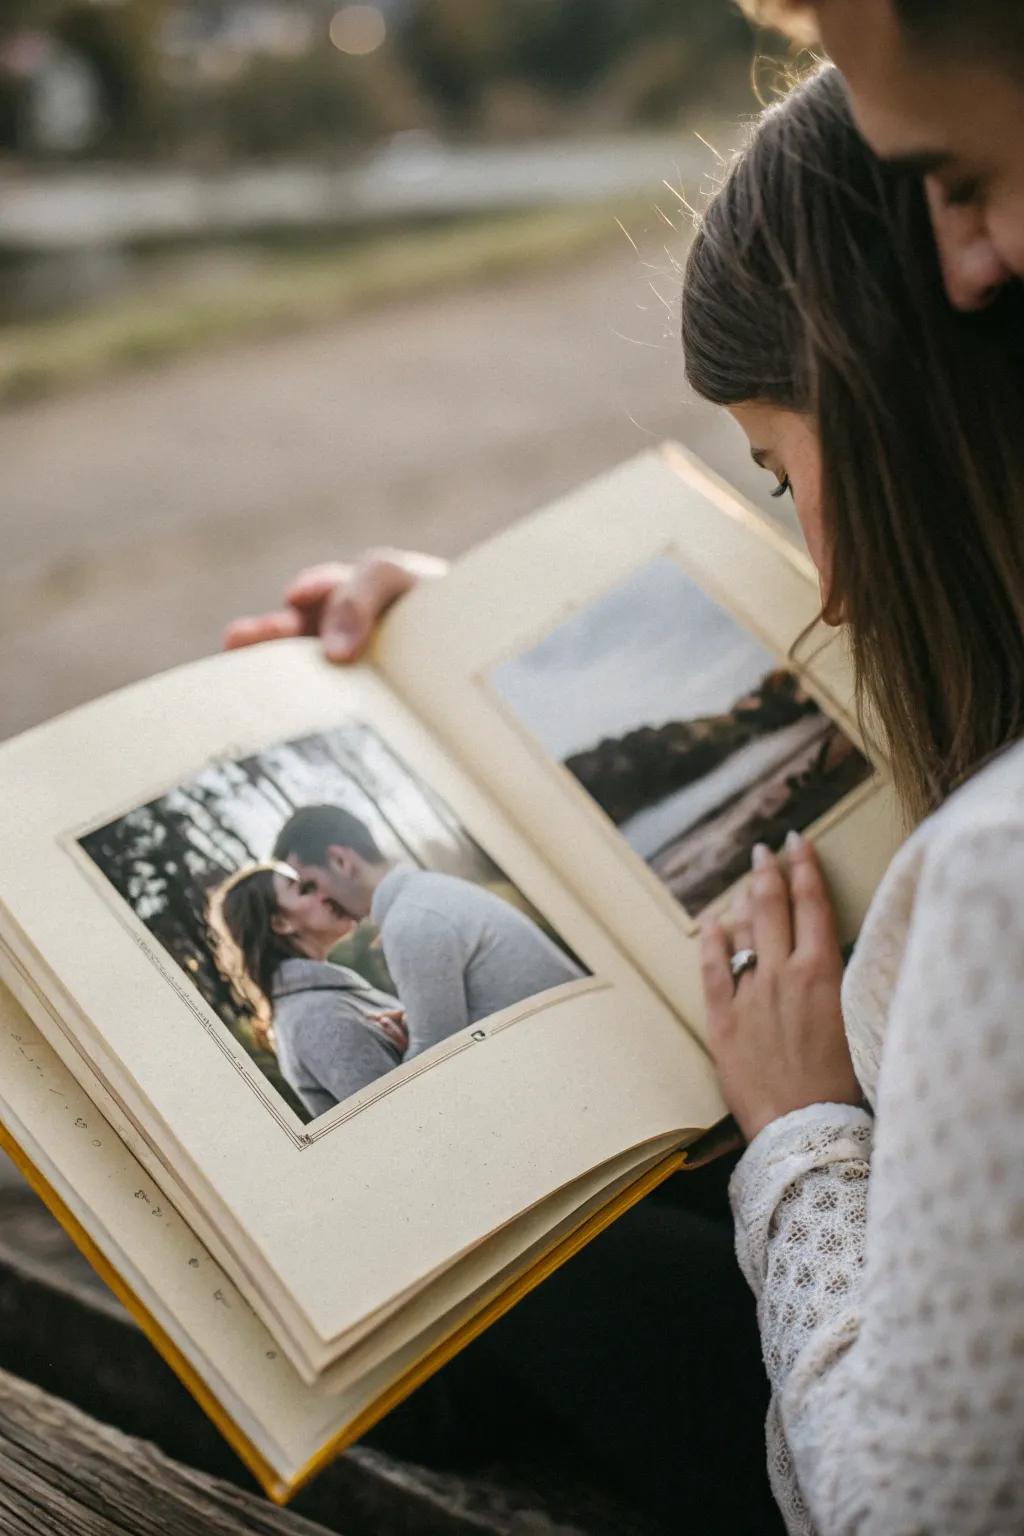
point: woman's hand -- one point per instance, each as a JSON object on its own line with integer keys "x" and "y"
{"x": 392, "y": 1022}
{"x": 777, "y": 1034}
{"x": 340, "y": 603}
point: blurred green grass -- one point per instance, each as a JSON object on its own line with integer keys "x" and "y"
{"x": 281, "y": 290}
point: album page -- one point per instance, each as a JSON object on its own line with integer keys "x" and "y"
{"x": 638, "y": 675}
{"x": 391, "y": 1107}
{"x": 280, "y": 1426}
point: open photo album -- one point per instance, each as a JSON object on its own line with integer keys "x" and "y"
{"x": 342, "y": 1005}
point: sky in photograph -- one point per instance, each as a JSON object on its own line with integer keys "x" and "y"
{"x": 350, "y": 767}
{"x": 655, "y": 648}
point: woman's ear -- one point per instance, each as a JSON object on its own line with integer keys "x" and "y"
{"x": 281, "y": 924}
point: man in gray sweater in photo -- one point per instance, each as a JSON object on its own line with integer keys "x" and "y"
{"x": 456, "y": 952}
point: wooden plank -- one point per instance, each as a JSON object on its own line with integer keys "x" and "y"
{"x": 61, "y": 1471}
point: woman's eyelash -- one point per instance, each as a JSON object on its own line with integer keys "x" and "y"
{"x": 782, "y": 487}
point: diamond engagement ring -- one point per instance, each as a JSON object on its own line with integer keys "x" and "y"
{"x": 742, "y": 960}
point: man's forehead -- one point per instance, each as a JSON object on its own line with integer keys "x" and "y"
{"x": 913, "y": 143}
{"x": 892, "y": 96}
{"x": 301, "y": 865}
{"x": 859, "y": 33}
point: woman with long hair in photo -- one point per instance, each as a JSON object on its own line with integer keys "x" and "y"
{"x": 879, "y": 1205}
{"x": 331, "y": 1031}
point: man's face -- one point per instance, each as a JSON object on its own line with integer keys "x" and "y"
{"x": 339, "y": 880}
{"x": 960, "y": 122}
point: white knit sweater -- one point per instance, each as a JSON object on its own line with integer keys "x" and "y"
{"x": 887, "y": 1253}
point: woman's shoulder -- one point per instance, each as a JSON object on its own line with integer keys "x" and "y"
{"x": 957, "y": 883}
{"x": 298, "y": 975}
{"x": 994, "y": 795}
{"x": 974, "y": 836}
{"x": 988, "y": 807}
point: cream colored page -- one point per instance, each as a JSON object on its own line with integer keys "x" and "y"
{"x": 406, "y": 1313}
{"x": 165, "y": 1167}
{"x": 142, "y": 1237}
{"x": 145, "y": 1240}
{"x": 447, "y": 642}
{"x": 466, "y": 1284}
{"x": 424, "y": 1163}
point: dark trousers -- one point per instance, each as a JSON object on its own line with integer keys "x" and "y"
{"x": 635, "y": 1370}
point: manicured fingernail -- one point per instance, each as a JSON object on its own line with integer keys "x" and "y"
{"x": 794, "y": 841}
{"x": 760, "y": 855}
{"x": 338, "y": 648}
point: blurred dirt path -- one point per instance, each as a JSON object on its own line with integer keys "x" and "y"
{"x": 137, "y": 517}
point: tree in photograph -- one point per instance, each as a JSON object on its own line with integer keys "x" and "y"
{"x": 164, "y": 859}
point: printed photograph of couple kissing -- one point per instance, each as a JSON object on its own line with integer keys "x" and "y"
{"x": 330, "y": 909}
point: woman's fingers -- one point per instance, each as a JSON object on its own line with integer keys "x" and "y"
{"x": 739, "y": 920}
{"x": 283, "y": 624}
{"x": 392, "y": 1022}
{"x": 356, "y": 605}
{"x": 777, "y": 1038}
{"x": 342, "y": 603}
{"x": 304, "y": 597}
{"x": 314, "y": 584}
{"x": 358, "y": 602}
{"x": 814, "y": 924}
{"x": 769, "y": 896}
{"x": 715, "y": 974}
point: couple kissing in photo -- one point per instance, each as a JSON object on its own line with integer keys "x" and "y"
{"x": 456, "y": 952}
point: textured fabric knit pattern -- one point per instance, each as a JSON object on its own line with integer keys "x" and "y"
{"x": 887, "y": 1252}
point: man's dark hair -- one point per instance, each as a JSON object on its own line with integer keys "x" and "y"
{"x": 981, "y": 28}
{"x": 308, "y": 834}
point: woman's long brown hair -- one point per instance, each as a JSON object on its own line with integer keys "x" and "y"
{"x": 248, "y": 949}
{"x": 813, "y": 284}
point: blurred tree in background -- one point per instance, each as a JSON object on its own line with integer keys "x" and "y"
{"x": 453, "y": 49}
{"x": 568, "y": 47}
{"x": 236, "y": 78}
{"x": 115, "y": 45}
{"x": 121, "y": 44}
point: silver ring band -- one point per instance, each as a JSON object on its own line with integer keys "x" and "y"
{"x": 743, "y": 960}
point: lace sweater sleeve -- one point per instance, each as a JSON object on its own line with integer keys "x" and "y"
{"x": 893, "y": 1322}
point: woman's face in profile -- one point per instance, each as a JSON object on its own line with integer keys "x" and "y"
{"x": 307, "y": 914}
{"x": 786, "y": 445}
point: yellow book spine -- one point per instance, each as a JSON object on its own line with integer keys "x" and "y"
{"x": 277, "y": 1489}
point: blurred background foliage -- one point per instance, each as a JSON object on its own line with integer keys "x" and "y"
{"x": 281, "y": 279}
{"x": 208, "y": 80}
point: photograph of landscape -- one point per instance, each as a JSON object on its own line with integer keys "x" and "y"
{"x": 687, "y": 732}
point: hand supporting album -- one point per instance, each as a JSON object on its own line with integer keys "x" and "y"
{"x": 776, "y": 1028}
{"x": 340, "y": 603}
